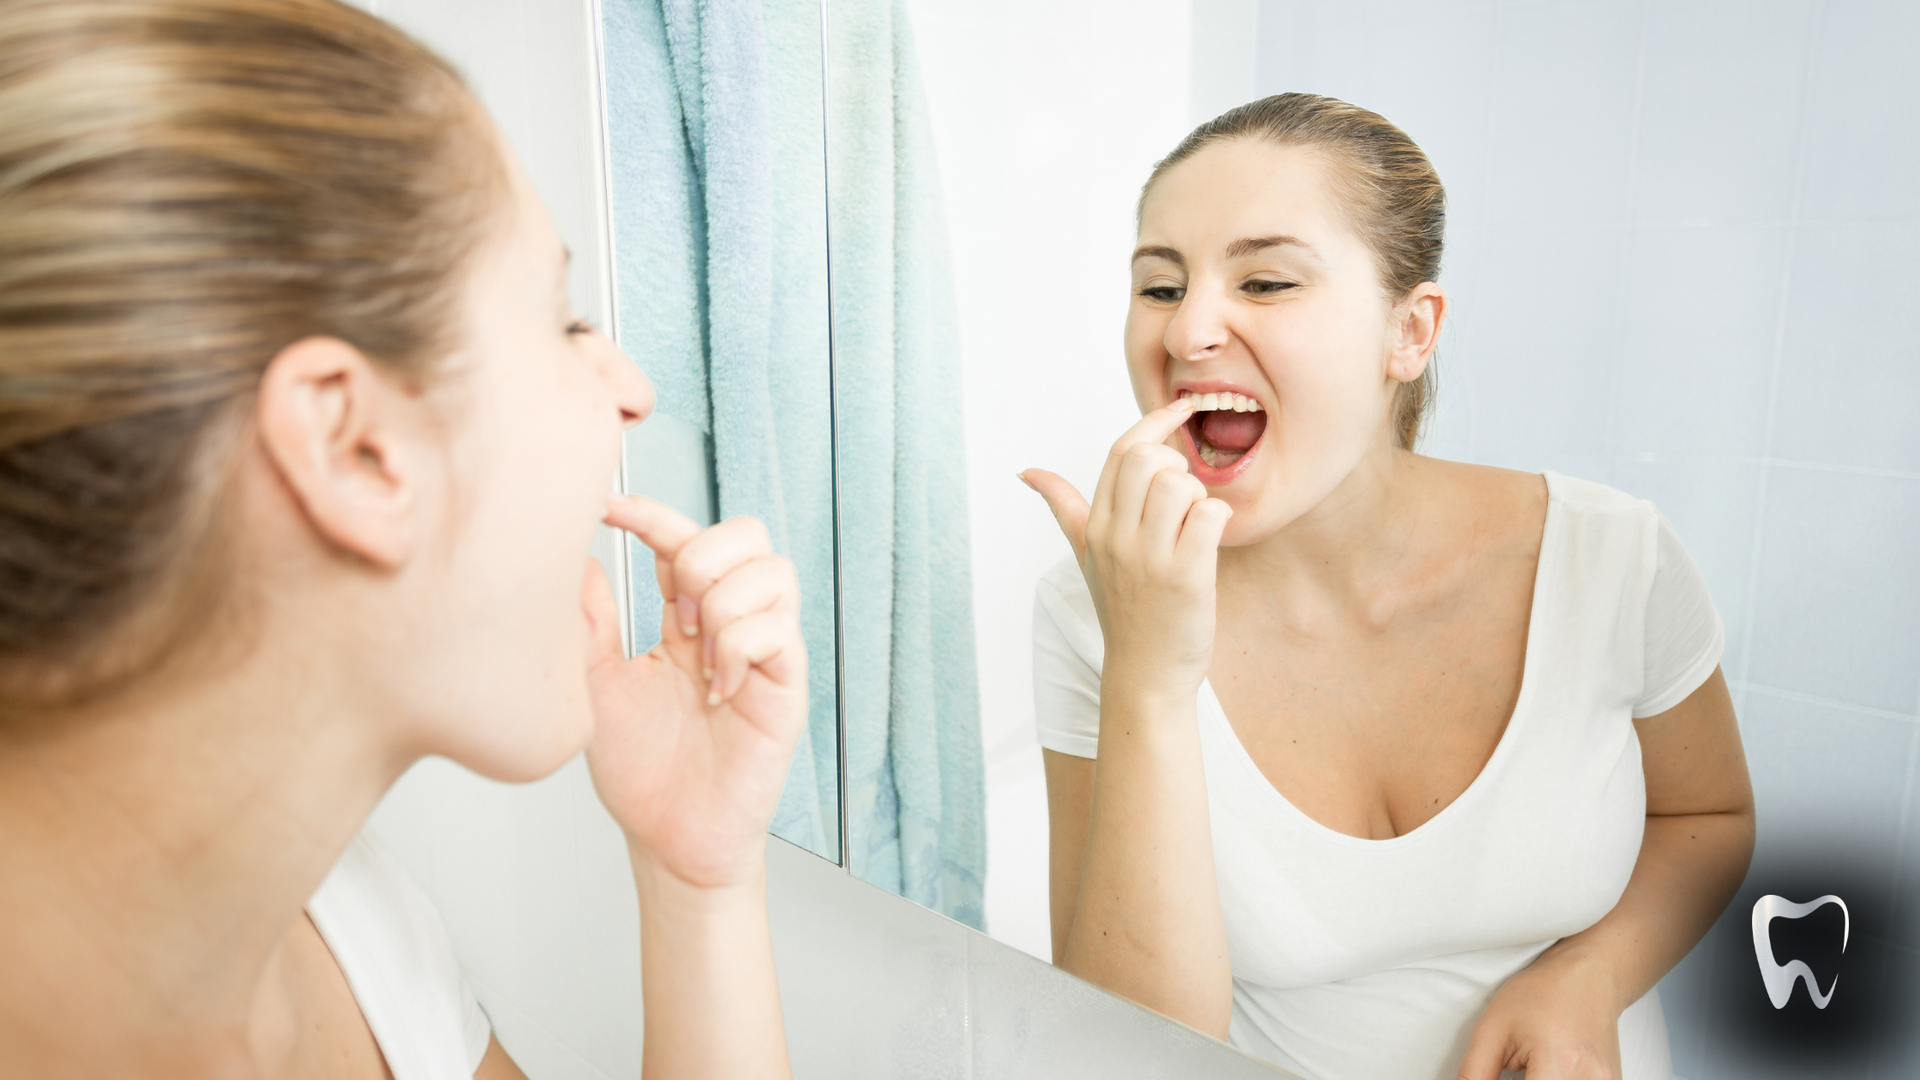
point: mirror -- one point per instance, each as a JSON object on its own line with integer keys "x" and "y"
{"x": 718, "y": 206}
{"x": 1672, "y": 240}
{"x": 913, "y": 803}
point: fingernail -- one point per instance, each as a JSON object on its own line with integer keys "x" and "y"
{"x": 1180, "y": 403}
{"x": 1022, "y": 477}
{"x": 713, "y": 698}
{"x": 689, "y": 615}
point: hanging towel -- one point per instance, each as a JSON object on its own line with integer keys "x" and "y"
{"x": 915, "y": 780}
{"x": 718, "y": 201}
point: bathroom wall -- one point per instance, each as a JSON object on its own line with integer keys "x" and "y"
{"x": 1680, "y": 264}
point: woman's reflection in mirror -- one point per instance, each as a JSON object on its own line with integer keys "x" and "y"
{"x": 301, "y": 453}
{"x": 1374, "y": 763}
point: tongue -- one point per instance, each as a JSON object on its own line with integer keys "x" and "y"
{"x": 1234, "y": 432}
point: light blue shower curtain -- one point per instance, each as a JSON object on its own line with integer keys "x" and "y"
{"x": 719, "y": 238}
{"x": 914, "y": 772}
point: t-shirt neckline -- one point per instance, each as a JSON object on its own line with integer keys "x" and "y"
{"x": 1549, "y": 552}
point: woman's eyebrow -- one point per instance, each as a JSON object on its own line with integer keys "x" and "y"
{"x": 1156, "y": 251}
{"x": 1248, "y": 245}
{"x": 1239, "y": 249}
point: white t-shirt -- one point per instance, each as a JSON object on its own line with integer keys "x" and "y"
{"x": 393, "y": 948}
{"x": 1356, "y": 958}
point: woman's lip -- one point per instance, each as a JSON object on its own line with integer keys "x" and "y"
{"x": 1208, "y": 474}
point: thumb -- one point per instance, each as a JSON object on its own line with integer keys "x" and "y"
{"x": 1069, "y": 508}
{"x": 603, "y": 617}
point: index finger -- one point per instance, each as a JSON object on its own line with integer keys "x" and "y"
{"x": 658, "y": 526}
{"x": 1151, "y": 428}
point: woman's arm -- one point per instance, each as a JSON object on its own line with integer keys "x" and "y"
{"x": 1146, "y": 918}
{"x": 690, "y": 751}
{"x": 1559, "y": 1017}
{"x": 706, "y": 969}
{"x": 1069, "y": 816}
{"x": 1135, "y": 905}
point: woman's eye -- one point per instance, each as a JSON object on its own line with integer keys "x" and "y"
{"x": 1260, "y": 287}
{"x": 1166, "y": 294}
{"x": 579, "y": 326}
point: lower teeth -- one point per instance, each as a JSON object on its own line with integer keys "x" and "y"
{"x": 1209, "y": 455}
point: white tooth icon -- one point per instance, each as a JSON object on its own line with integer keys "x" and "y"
{"x": 1780, "y": 978}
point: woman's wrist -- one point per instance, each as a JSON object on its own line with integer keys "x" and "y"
{"x": 665, "y": 891}
{"x": 1152, "y": 693}
{"x": 1588, "y": 966}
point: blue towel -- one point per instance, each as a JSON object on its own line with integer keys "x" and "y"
{"x": 719, "y": 238}
{"x": 915, "y": 779}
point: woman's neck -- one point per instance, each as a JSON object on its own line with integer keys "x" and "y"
{"x": 1348, "y": 558}
{"x": 158, "y": 854}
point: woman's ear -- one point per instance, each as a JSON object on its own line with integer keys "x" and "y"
{"x": 1416, "y": 331}
{"x": 333, "y": 426}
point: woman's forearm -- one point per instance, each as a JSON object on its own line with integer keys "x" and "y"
{"x": 1147, "y": 924}
{"x": 706, "y": 958}
{"x": 1690, "y": 866}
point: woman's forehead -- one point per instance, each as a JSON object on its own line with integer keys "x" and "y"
{"x": 1240, "y": 187}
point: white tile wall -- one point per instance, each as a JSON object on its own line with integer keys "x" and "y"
{"x": 1719, "y": 99}
{"x": 1863, "y": 112}
{"x": 1844, "y": 335}
{"x": 1680, "y": 265}
{"x": 1837, "y": 596}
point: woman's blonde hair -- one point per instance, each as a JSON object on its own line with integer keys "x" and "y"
{"x": 1392, "y": 195}
{"x": 187, "y": 187}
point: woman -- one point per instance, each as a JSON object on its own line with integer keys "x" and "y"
{"x": 301, "y": 451}
{"x": 1406, "y": 767}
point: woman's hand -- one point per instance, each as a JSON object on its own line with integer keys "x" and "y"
{"x": 692, "y": 740}
{"x": 1555, "y": 1019}
{"x": 1149, "y": 547}
{"x": 1144, "y": 916}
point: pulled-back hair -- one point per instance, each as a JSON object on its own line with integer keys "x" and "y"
{"x": 186, "y": 188}
{"x": 1392, "y": 196}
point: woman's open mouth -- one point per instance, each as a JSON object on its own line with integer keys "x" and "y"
{"x": 1221, "y": 434}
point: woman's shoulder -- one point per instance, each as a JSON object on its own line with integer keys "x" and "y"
{"x": 1533, "y": 494}
{"x": 1590, "y": 495}
{"x": 394, "y": 950}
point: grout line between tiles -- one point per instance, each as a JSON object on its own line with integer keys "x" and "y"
{"x": 1609, "y": 443}
{"x": 1771, "y": 462}
{"x": 1779, "y": 353}
{"x": 1815, "y": 699}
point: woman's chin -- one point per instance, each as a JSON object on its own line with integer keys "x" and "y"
{"x": 532, "y": 744}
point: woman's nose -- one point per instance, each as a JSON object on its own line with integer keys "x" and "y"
{"x": 1198, "y": 329}
{"x": 630, "y": 389}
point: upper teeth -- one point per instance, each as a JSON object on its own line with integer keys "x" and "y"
{"x": 1221, "y": 402}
